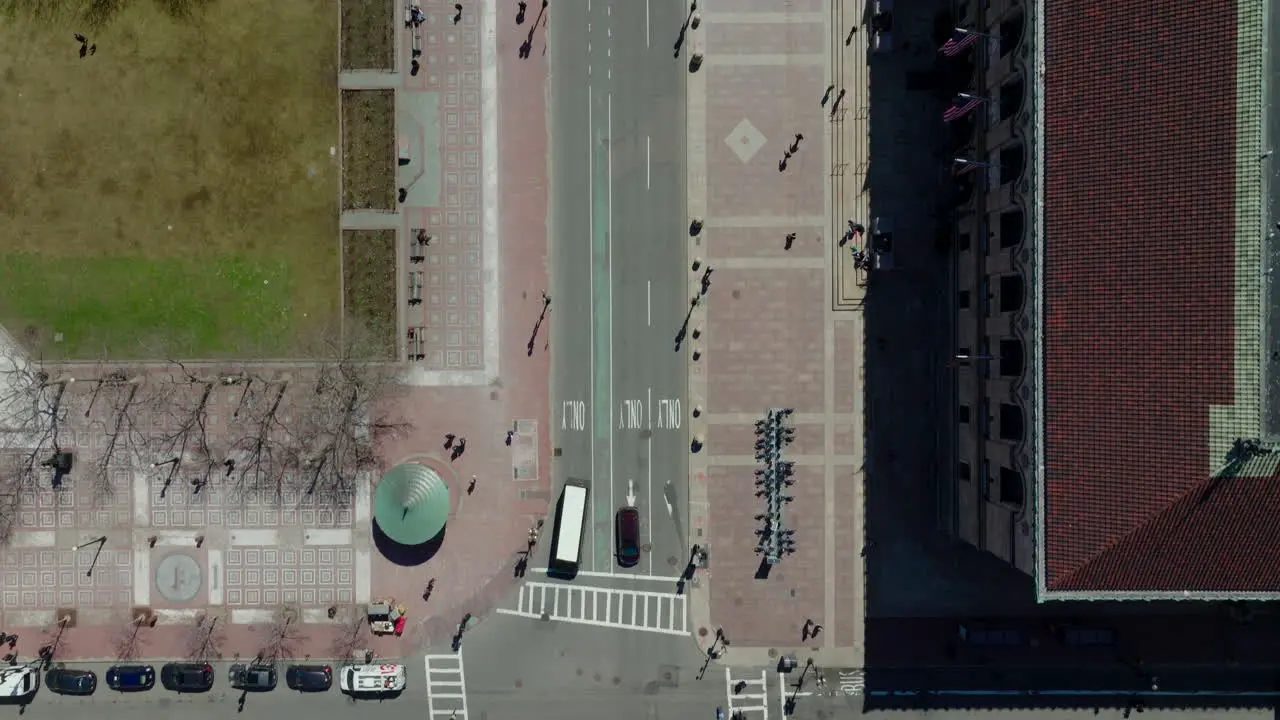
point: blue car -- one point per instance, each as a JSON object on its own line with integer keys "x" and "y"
{"x": 131, "y": 678}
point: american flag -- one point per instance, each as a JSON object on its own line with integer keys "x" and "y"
{"x": 960, "y": 106}
{"x": 960, "y": 166}
{"x": 960, "y": 39}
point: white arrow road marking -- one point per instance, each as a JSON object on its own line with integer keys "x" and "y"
{"x": 631, "y": 493}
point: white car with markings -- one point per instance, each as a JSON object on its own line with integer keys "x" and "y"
{"x": 372, "y": 679}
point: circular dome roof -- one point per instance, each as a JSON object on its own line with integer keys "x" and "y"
{"x": 411, "y": 504}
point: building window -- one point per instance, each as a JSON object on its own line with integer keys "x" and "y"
{"x": 1012, "y": 161}
{"x": 1011, "y": 490}
{"x": 964, "y": 413}
{"x": 965, "y": 473}
{"x": 1011, "y": 34}
{"x": 1011, "y": 358}
{"x": 1011, "y": 97}
{"x": 1011, "y": 293}
{"x": 1011, "y": 227}
{"x": 962, "y": 298}
{"x": 1010, "y": 422}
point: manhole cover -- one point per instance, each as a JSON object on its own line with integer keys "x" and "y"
{"x": 179, "y": 577}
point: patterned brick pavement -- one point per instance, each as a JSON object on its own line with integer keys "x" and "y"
{"x": 770, "y": 336}
{"x": 447, "y": 94}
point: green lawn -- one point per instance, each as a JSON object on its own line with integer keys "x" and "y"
{"x": 176, "y": 193}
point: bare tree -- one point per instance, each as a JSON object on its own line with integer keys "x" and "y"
{"x": 342, "y": 419}
{"x": 205, "y": 639}
{"x": 183, "y": 447}
{"x": 131, "y": 636}
{"x": 34, "y": 418}
{"x": 351, "y": 633}
{"x": 282, "y": 636}
{"x": 123, "y": 422}
{"x": 264, "y": 455}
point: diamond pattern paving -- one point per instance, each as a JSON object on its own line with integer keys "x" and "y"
{"x": 745, "y": 140}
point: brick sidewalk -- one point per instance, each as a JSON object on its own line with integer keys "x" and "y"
{"x": 770, "y": 336}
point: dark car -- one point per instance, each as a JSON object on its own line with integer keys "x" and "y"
{"x": 66, "y": 681}
{"x": 309, "y": 678}
{"x": 254, "y": 678}
{"x": 131, "y": 678}
{"x": 627, "y": 530}
{"x": 187, "y": 677}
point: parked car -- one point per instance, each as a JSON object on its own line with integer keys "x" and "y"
{"x": 254, "y": 678}
{"x": 309, "y": 678}
{"x": 1085, "y": 636}
{"x": 991, "y": 636}
{"x": 373, "y": 679}
{"x": 66, "y": 681}
{"x": 131, "y": 678}
{"x": 627, "y": 536}
{"x": 187, "y": 677}
{"x": 19, "y": 682}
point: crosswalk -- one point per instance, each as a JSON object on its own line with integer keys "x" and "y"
{"x": 748, "y": 695}
{"x": 446, "y": 687}
{"x": 604, "y": 607}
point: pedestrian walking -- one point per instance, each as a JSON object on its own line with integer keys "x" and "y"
{"x": 448, "y": 440}
{"x": 826, "y": 96}
{"x": 458, "y": 17}
{"x": 471, "y": 487}
{"x": 510, "y": 434}
{"x": 835, "y": 106}
{"x": 521, "y": 7}
{"x": 791, "y": 238}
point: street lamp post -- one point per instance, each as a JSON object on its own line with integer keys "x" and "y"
{"x": 100, "y": 542}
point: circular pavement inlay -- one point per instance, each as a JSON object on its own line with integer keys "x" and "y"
{"x": 179, "y": 577}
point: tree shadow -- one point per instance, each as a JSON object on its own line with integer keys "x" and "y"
{"x": 407, "y": 555}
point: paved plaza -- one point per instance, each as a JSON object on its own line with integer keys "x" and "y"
{"x": 227, "y": 571}
{"x": 779, "y": 328}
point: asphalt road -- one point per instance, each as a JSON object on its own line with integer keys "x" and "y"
{"x": 618, "y": 272}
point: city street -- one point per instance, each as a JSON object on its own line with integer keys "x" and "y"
{"x": 618, "y": 275}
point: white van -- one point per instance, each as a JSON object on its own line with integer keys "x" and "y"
{"x": 20, "y": 682}
{"x": 372, "y": 679}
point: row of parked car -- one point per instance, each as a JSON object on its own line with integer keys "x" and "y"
{"x": 22, "y": 681}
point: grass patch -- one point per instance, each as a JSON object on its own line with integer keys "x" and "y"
{"x": 368, "y": 150}
{"x": 174, "y": 192}
{"x": 369, "y": 289}
{"x": 368, "y": 35}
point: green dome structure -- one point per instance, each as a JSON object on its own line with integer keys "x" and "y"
{"x": 411, "y": 504}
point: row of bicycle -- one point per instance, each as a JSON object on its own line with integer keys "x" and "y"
{"x": 23, "y": 681}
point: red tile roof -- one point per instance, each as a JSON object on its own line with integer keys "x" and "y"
{"x": 1140, "y": 116}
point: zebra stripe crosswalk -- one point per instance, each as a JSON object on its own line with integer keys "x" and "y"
{"x": 624, "y": 609}
{"x": 748, "y": 696}
{"x": 446, "y": 687}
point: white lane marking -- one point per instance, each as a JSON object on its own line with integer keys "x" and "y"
{"x": 609, "y": 234}
{"x": 648, "y": 302}
{"x": 648, "y": 506}
{"x": 446, "y": 686}
{"x": 591, "y": 275}
{"x": 784, "y": 694}
{"x": 648, "y": 166}
{"x": 638, "y": 610}
{"x": 646, "y": 23}
{"x": 753, "y": 699}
